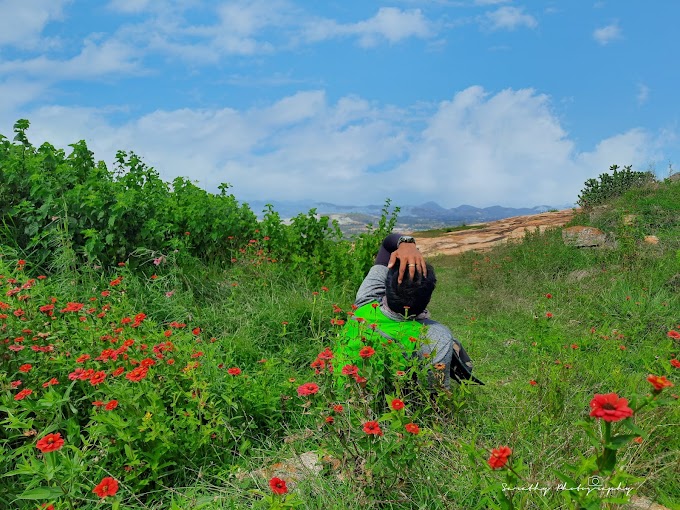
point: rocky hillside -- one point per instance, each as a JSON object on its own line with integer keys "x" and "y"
{"x": 491, "y": 234}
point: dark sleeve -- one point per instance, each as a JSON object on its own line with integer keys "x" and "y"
{"x": 388, "y": 246}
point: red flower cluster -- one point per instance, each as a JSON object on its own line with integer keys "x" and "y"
{"x": 278, "y": 486}
{"x": 23, "y": 394}
{"x": 659, "y": 382}
{"x": 72, "y": 307}
{"x": 373, "y": 428}
{"x": 309, "y": 388}
{"x": 397, "y": 404}
{"x": 107, "y": 487}
{"x": 412, "y": 428}
{"x": 50, "y": 443}
{"x": 499, "y": 457}
{"x": 137, "y": 374}
{"x": 610, "y": 407}
{"x": 350, "y": 370}
{"x": 51, "y": 382}
{"x": 366, "y": 352}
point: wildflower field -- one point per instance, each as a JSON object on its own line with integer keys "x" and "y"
{"x": 174, "y": 360}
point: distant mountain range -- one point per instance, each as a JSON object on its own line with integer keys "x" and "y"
{"x": 353, "y": 218}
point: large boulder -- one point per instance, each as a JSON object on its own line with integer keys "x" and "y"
{"x": 584, "y": 237}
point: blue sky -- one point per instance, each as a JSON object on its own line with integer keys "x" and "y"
{"x": 476, "y": 102}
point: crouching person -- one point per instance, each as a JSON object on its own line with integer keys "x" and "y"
{"x": 391, "y": 308}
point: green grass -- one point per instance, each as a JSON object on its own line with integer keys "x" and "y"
{"x": 436, "y": 232}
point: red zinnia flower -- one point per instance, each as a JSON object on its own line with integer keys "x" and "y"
{"x": 350, "y": 370}
{"x": 329, "y": 419}
{"x": 338, "y": 408}
{"x": 51, "y": 382}
{"x": 372, "y": 428}
{"x": 412, "y": 428}
{"x": 674, "y": 334}
{"x": 278, "y": 486}
{"x": 73, "y": 307}
{"x": 659, "y": 382}
{"x": 23, "y": 394}
{"x": 137, "y": 374}
{"x": 675, "y": 363}
{"x": 107, "y": 487}
{"x": 533, "y": 383}
{"x": 234, "y": 371}
{"x": 610, "y": 407}
{"x": 97, "y": 377}
{"x": 309, "y": 388}
{"x": 50, "y": 443}
{"x": 25, "y": 368}
{"x": 366, "y": 352}
{"x": 499, "y": 457}
{"x": 111, "y": 405}
{"x": 326, "y": 354}
{"x": 397, "y": 404}
{"x": 548, "y": 315}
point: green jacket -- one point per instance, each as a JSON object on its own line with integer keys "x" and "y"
{"x": 370, "y": 327}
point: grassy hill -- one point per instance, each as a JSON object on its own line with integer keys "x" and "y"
{"x": 209, "y": 368}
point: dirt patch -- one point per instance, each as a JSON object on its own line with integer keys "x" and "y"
{"x": 491, "y": 234}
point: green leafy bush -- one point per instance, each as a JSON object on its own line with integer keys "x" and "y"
{"x": 612, "y": 185}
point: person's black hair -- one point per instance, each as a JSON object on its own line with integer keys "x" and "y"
{"x": 412, "y": 296}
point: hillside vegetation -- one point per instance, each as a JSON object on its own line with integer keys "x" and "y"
{"x": 171, "y": 361}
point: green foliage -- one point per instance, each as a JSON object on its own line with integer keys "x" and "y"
{"x": 53, "y": 202}
{"x": 611, "y": 185}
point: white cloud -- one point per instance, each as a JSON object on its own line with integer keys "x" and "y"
{"x": 21, "y": 92}
{"x": 506, "y": 148}
{"x": 389, "y": 23}
{"x": 635, "y": 146}
{"x": 491, "y": 2}
{"x": 94, "y": 60}
{"x": 643, "y": 94}
{"x": 129, "y": 6}
{"x": 22, "y": 22}
{"x": 509, "y": 18}
{"x": 607, "y": 34}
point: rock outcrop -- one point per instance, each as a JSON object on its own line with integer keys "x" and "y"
{"x": 491, "y": 234}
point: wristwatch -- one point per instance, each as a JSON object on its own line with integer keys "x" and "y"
{"x": 406, "y": 239}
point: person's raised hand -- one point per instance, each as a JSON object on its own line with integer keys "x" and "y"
{"x": 409, "y": 257}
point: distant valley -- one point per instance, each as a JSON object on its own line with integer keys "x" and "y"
{"x": 353, "y": 219}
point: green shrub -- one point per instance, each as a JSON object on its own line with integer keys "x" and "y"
{"x": 612, "y": 185}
